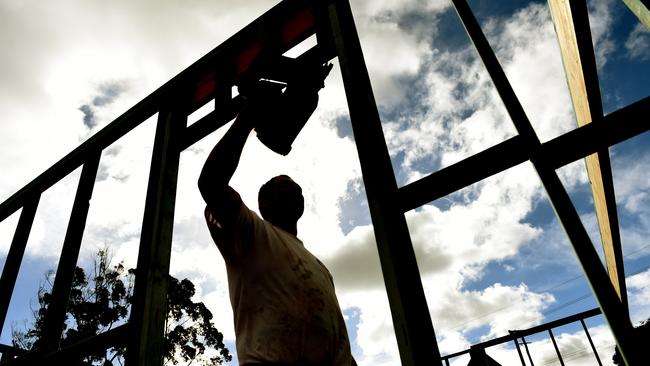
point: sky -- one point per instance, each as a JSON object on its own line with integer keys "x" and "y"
{"x": 492, "y": 256}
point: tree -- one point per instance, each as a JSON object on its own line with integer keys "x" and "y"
{"x": 102, "y": 302}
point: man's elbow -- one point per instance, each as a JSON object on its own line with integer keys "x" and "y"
{"x": 212, "y": 190}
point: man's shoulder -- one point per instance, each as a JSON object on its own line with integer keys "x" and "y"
{"x": 233, "y": 228}
{"x": 225, "y": 209}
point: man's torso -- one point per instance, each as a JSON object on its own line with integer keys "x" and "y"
{"x": 283, "y": 298}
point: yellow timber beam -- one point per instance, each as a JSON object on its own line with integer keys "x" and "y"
{"x": 640, "y": 9}
{"x": 574, "y": 37}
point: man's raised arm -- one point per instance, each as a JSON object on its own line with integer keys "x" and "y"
{"x": 221, "y": 165}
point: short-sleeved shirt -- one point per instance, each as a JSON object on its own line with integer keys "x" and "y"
{"x": 283, "y": 299}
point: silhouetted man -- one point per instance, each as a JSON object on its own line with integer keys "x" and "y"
{"x": 283, "y": 300}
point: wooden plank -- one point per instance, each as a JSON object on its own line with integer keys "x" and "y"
{"x": 149, "y": 309}
{"x": 56, "y": 310}
{"x": 15, "y": 256}
{"x": 640, "y": 9}
{"x": 572, "y": 27}
{"x": 411, "y": 319}
{"x": 566, "y": 33}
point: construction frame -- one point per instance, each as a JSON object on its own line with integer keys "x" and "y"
{"x": 210, "y": 80}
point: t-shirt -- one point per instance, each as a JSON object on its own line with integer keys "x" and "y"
{"x": 283, "y": 299}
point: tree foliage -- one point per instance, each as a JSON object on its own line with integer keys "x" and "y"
{"x": 102, "y": 302}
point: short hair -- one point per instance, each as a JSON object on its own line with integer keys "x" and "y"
{"x": 287, "y": 202}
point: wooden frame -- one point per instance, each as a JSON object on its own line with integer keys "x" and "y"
{"x": 278, "y": 30}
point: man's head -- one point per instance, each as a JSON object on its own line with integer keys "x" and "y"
{"x": 281, "y": 202}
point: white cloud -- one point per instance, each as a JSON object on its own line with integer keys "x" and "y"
{"x": 464, "y": 114}
{"x": 487, "y": 228}
{"x": 7, "y": 230}
{"x": 374, "y": 8}
{"x": 51, "y": 220}
{"x": 639, "y": 296}
{"x": 469, "y": 310}
{"x": 631, "y": 180}
{"x": 461, "y": 239}
{"x": 390, "y": 53}
{"x": 452, "y": 341}
{"x": 600, "y": 20}
{"x": 375, "y": 335}
{"x": 460, "y": 115}
{"x": 632, "y": 187}
{"x": 638, "y": 43}
{"x": 527, "y": 46}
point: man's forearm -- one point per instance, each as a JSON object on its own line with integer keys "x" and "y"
{"x": 224, "y": 158}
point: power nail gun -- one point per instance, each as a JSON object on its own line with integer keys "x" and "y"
{"x": 281, "y": 94}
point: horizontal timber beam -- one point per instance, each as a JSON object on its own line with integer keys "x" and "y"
{"x": 612, "y": 129}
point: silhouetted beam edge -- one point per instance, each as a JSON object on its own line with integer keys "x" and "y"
{"x": 574, "y": 36}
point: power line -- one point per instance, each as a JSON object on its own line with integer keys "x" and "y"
{"x": 581, "y": 276}
{"x": 567, "y": 304}
{"x": 577, "y": 354}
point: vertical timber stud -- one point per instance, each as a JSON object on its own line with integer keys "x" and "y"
{"x": 15, "y": 256}
{"x": 603, "y": 290}
{"x": 572, "y": 27}
{"x": 411, "y": 320}
{"x": 56, "y": 310}
{"x": 149, "y": 309}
